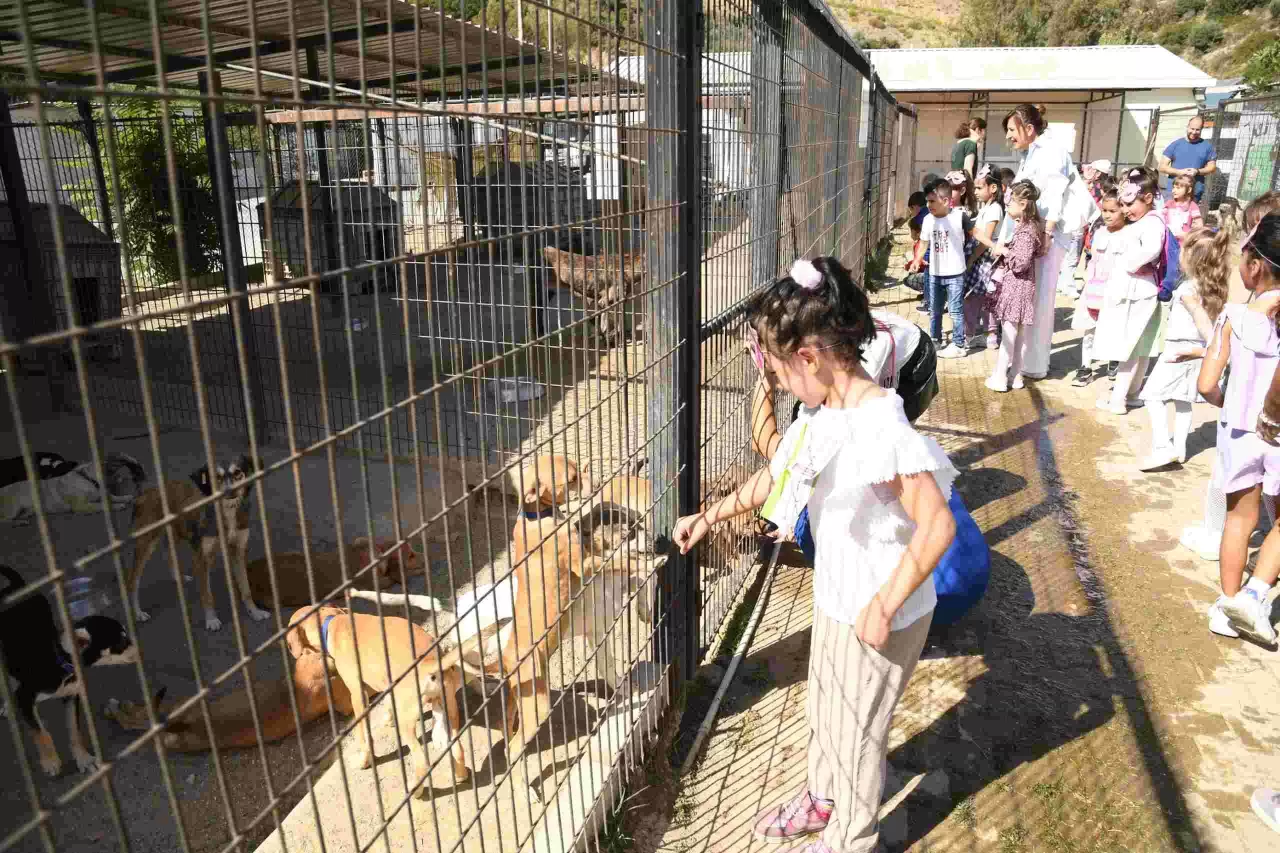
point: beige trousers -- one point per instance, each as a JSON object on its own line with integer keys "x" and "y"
{"x": 853, "y": 690}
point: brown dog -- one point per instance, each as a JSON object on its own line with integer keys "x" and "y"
{"x": 602, "y": 281}
{"x": 326, "y": 567}
{"x": 199, "y": 529}
{"x": 338, "y": 634}
{"x": 232, "y": 717}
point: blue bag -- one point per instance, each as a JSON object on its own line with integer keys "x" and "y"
{"x": 961, "y": 576}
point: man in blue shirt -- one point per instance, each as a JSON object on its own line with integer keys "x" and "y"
{"x": 1192, "y": 155}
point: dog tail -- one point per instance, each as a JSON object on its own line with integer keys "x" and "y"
{"x": 15, "y": 581}
{"x": 422, "y": 602}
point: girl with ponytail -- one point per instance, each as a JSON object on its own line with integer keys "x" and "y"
{"x": 877, "y": 494}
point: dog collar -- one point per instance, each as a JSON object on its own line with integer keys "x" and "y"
{"x": 324, "y": 634}
{"x": 64, "y": 659}
{"x": 534, "y": 515}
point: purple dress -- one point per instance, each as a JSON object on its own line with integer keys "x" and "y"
{"x": 1017, "y": 299}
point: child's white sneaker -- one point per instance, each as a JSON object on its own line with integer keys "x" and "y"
{"x": 1202, "y": 541}
{"x": 994, "y": 384}
{"x": 1218, "y": 621}
{"x": 952, "y": 351}
{"x": 1250, "y": 614}
{"x": 993, "y": 342}
{"x": 1158, "y": 458}
{"x": 1104, "y": 403}
{"x": 1266, "y": 805}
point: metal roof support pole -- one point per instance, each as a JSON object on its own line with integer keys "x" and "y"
{"x": 1216, "y": 183}
{"x": 218, "y": 150}
{"x": 673, "y": 321}
{"x": 28, "y": 298}
{"x": 1115, "y": 161}
{"x": 327, "y": 184}
{"x": 90, "y": 130}
{"x": 766, "y": 141}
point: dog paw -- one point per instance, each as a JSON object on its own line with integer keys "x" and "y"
{"x": 4, "y": 711}
{"x": 86, "y": 762}
{"x": 366, "y": 762}
{"x": 212, "y": 623}
{"x": 257, "y": 615}
{"x": 51, "y": 765}
{"x": 141, "y": 615}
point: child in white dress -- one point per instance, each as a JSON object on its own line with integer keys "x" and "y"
{"x": 877, "y": 496}
{"x": 1130, "y": 319}
{"x": 1205, "y": 262}
{"x": 1103, "y": 248}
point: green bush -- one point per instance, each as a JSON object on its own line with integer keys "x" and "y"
{"x": 1263, "y": 71}
{"x": 1188, "y": 7}
{"x": 1274, "y": 8}
{"x": 1205, "y": 36}
{"x": 1224, "y": 8}
{"x": 1174, "y": 36}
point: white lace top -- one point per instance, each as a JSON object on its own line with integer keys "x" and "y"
{"x": 859, "y": 526}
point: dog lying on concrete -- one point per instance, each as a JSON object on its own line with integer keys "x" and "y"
{"x": 467, "y": 487}
{"x": 38, "y": 657}
{"x": 199, "y": 529}
{"x": 232, "y": 716}
{"x": 337, "y": 634}
{"x": 292, "y": 571}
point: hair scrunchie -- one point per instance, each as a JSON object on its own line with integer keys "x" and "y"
{"x": 1129, "y": 192}
{"x": 806, "y": 274}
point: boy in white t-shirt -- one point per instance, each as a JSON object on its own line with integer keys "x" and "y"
{"x": 944, "y": 231}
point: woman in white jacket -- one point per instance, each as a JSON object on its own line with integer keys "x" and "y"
{"x": 1129, "y": 325}
{"x": 1064, "y": 205}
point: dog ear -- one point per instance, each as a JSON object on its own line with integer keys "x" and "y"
{"x": 201, "y": 478}
{"x": 160, "y": 694}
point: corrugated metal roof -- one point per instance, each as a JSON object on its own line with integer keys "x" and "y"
{"x": 453, "y": 54}
{"x": 1111, "y": 68}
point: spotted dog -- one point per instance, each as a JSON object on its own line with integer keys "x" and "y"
{"x": 199, "y": 529}
{"x": 40, "y": 662}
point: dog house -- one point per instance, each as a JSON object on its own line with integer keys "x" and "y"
{"x": 365, "y": 217}
{"x": 93, "y": 258}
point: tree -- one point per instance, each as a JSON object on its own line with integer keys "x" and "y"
{"x": 1205, "y": 36}
{"x": 1262, "y": 72}
{"x": 143, "y": 177}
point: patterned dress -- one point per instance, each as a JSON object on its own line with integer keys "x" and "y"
{"x": 1017, "y": 299}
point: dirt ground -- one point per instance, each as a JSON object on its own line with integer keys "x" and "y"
{"x": 1082, "y": 706}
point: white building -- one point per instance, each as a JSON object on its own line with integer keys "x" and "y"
{"x": 1101, "y": 101}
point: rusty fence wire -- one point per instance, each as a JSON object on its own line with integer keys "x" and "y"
{"x": 358, "y": 360}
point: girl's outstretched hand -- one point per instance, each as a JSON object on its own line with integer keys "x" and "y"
{"x": 689, "y": 531}
{"x": 872, "y": 626}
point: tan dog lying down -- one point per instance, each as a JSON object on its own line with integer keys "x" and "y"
{"x": 549, "y": 601}
{"x": 291, "y": 571}
{"x": 539, "y": 486}
{"x": 338, "y": 633}
{"x": 232, "y": 717}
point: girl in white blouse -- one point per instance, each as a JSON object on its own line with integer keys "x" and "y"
{"x": 877, "y": 495}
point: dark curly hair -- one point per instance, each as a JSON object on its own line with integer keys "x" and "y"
{"x": 835, "y": 315}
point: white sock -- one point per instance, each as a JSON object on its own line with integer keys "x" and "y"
{"x": 1258, "y": 586}
{"x": 1215, "y": 505}
{"x": 1181, "y": 424}
{"x": 1159, "y": 424}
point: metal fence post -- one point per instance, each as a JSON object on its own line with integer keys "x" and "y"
{"x": 89, "y": 128}
{"x": 218, "y": 150}
{"x": 766, "y": 141}
{"x": 673, "y": 79}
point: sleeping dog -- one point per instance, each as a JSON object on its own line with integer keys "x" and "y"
{"x": 199, "y": 529}
{"x": 38, "y": 657}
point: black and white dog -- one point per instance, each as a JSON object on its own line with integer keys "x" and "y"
{"x": 38, "y": 657}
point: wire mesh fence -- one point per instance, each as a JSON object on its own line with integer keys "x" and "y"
{"x": 415, "y": 334}
{"x": 1246, "y": 138}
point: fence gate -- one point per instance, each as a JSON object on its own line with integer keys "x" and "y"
{"x": 307, "y": 300}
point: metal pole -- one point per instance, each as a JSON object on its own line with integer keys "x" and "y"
{"x": 90, "y": 130}
{"x": 673, "y": 71}
{"x": 327, "y": 185}
{"x": 766, "y": 141}
{"x": 218, "y": 150}
{"x": 1119, "y": 131}
{"x": 1219, "y": 118}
